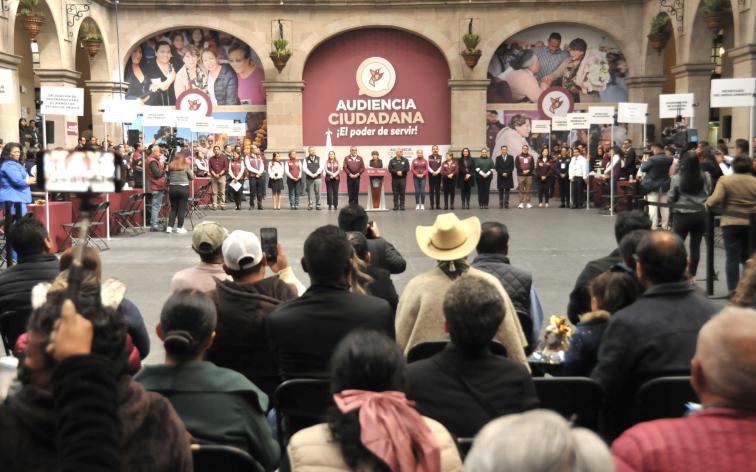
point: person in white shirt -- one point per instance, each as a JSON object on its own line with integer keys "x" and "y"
{"x": 578, "y": 171}
{"x": 275, "y": 181}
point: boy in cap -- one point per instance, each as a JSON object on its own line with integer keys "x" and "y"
{"x": 207, "y": 241}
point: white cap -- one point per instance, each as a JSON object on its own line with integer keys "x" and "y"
{"x": 242, "y": 250}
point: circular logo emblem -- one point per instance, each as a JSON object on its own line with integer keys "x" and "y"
{"x": 195, "y": 100}
{"x": 375, "y": 77}
{"x": 555, "y": 101}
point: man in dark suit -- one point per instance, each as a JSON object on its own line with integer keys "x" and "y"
{"x": 656, "y": 335}
{"x": 504, "y": 166}
{"x": 304, "y": 331}
{"x": 382, "y": 253}
{"x": 465, "y": 386}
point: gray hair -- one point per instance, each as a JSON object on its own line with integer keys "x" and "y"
{"x": 537, "y": 441}
{"x": 474, "y": 310}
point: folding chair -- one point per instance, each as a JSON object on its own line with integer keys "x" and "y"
{"x": 12, "y": 325}
{"x": 194, "y": 207}
{"x": 428, "y": 349}
{"x": 664, "y": 397}
{"x": 124, "y": 217}
{"x": 300, "y": 403}
{"x": 578, "y": 399}
{"x": 214, "y": 457}
{"x": 73, "y": 230}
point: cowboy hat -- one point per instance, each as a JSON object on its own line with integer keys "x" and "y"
{"x": 449, "y": 238}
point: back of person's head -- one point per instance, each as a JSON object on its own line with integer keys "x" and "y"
{"x": 28, "y": 237}
{"x": 90, "y": 260}
{"x": 628, "y": 221}
{"x": 474, "y": 311}
{"x": 359, "y": 244}
{"x": 187, "y": 324}
{"x": 661, "y": 257}
{"x": 724, "y": 366}
{"x": 494, "y": 238}
{"x": 691, "y": 176}
{"x": 242, "y": 255}
{"x": 327, "y": 255}
{"x": 741, "y": 147}
{"x": 742, "y": 165}
{"x": 614, "y": 291}
{"x": 207, "y": 241}
{"x": 353, "y": 218}
{"x": 536, "y": 441}
{"x": 629, "y": 244}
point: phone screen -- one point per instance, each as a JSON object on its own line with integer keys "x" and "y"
{"x": 269, "y": 241}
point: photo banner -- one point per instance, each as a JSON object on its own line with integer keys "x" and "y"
{"x": 578, "y": 120}
{"x": 560, "y": 123}
{"x": 540, "y": 126}
{"x": 601, "y": 115}
{"x": 158, "y": 117}
{"x": 62, "y": 101}
{"x": 676, "y": 104}
{"x": 733, "y": 92}
{"x": 632, "y": 112}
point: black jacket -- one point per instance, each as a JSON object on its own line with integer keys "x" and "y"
{"x": 504, "y": 164}
{"x": 305, "y": 331}
{"x": 559, "y": 170}
{"x": 442, "y": 386}
{"x": 17, "y": 282}
{"x": 226, "y": 86}
{"x": 580, "y": 299}
{"x": 582, "y": 355}
{"x": 382, "y": 286}
{"x": 384, "y": 255}
{"x": 657, "y": 173}
{"x": 653, "y": 337}
{"x": 396, "y": 165}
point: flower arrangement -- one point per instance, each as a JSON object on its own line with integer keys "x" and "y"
{"x": 554, "y": 342}
{"x": 593, "y": 73}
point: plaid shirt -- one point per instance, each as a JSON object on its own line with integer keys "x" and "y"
{"x": 549, "y": 61}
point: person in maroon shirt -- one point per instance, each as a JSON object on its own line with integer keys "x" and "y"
{"x": 544, "y": 172}
{"x": 434, "y": 178}
{"x": 419, "y": 174}
{"x": 218, "y": 166}
{"x": 237, "y": 173}
{"x": 524, "y": 166}
{"x": 449, "y": 171}
{"x": 294, "y": 180}
{"x": 354, "y": 166}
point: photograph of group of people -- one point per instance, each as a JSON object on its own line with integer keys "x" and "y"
{"x": 163, "y": 66}
{"x": 579, "y": 58}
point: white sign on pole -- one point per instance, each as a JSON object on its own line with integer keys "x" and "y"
{"x": 632, "y": 112}
{"x": 7, "y": 86}
{"x": 158, "y": 117}
{"x": 540, "y": 126}
{"x": 733, "y": 92}
{"x": 676, "y": 104}
{"x": 578, "y": 120}
{"x": 62, "y": 101}
{"x": 202, "y": 124}
{"x": 184, "y": 119}
{"x": 237, "y": 129}
{"x": 222, "y": 126}
{"x": 601, "y": 115}
{"x": 560, "y": 123}
{"x": 119, "y": 111}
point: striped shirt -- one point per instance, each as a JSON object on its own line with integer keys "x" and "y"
{"x": 549, "y": 61}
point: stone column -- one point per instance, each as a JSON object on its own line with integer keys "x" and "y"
{"x": 60, "y": 78}
{"x": 743, "y": 65}
{"x": 468, "y": 114}
{"x": 645, "y": 89}
{"x": 696, "y": 79}
{"x": 284, "y": 103}
{"x": 101, "y": 91}
{"x": 9, "y": 112}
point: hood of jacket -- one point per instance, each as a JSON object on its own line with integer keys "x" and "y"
{"x": 256, "y": 298}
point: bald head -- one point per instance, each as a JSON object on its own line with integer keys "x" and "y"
{"x": 724, "y": 366}
{"x": 661, "y": 258}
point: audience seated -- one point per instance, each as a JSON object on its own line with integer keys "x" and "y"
{"x": 383, "y": 253}
{"x": 537, "y": 441}
{"x": 465, "y": 386}
{"x": 627, "y": 247}
{"x": 580, "y": 299}
{"x": 610, "y": 292}
{"x": 656, "y": 335}
{"x": 152, "y": 436}
{"x": 304, "y": 331}
{"x": 373, "y": 426}
{"x": 29, "y": 239}
{"x": 217, "y": 405}
{"x": 720, "y": 436}
{"x": 134, "y": 321}
{"x": 493, "y": 257}
{"x": 207, "y": 240}
{"x": 380, "y": 284}
{"x": 241, "y": 342}
{"x": 419, "y": 316}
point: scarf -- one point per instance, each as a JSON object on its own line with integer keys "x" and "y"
{"x": 393, "y": 430}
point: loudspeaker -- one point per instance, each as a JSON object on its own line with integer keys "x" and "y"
{"x": 133, "y": 137}
{"x": 50, "y": 131}
{"x": 650, "y": 133}
{"x": 726, "y": 127}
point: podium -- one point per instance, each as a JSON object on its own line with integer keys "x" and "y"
{"x": 376, "y": 195}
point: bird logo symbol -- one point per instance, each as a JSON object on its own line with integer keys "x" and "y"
{"x": 194, "y": 105}
{"x": 556, "y": 103}
{"x": 375, "y": 76}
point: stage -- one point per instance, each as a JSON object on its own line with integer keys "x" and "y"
{"x": 552, "y": 243}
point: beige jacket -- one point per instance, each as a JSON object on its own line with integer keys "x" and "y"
{"x": 313, "y": 450}
{"x": 420, "y": 318}
{"x": 736, "y": 192}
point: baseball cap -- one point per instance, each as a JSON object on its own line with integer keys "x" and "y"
{"x": 208, "y": 233}
{"x": 242, "y": 250}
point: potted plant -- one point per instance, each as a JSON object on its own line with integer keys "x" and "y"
{"x": 471, "y": 54}
{"x": 281, "y": 53}
{"x": 91, "y": 39}
{"x": 661, "y": 30}
{"x": 713, "y": 11}
{"x": 31, "y": 20}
